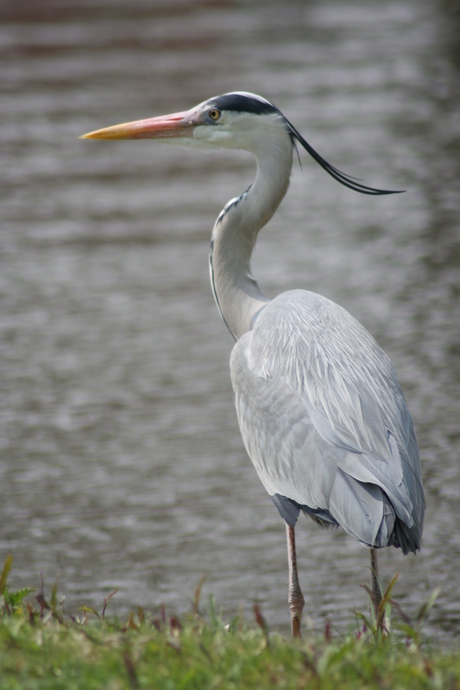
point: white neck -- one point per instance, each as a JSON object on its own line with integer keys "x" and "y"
{"x": 237, "y": 294}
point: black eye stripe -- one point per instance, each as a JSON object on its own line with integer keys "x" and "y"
{"x": 243, "y": 104}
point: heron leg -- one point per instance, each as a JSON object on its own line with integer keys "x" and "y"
{"x": 296, "y": 600}
{"x": 375, "y": 584}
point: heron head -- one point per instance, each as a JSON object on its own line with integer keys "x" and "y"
{"x": 234, "y": 120}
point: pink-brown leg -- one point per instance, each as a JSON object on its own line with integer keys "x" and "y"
{"x": 375, "y": 584}
{"x": 296, "y": 600}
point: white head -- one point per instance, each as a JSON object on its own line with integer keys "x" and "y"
{"x": 236, "y": 120}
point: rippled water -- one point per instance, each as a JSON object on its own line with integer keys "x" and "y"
{"x": 122, "y": 464}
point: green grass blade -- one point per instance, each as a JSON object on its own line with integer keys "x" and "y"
{"x": 5, "y": 572}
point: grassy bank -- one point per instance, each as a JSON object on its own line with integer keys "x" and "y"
{"x": 43, "y": 647}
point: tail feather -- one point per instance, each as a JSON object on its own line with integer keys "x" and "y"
{"x": 361, "y": 509}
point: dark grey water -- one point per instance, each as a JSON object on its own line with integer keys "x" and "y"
{"x": 122, "y": 464}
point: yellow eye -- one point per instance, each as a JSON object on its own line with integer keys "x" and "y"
{"x": 214, "y": 114}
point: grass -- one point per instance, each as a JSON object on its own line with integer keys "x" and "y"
{"x": 43, "y": 647}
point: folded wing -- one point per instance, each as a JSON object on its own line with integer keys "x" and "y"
{"x": 325, "y": 423}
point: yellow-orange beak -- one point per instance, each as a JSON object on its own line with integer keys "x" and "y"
{"x": 163, "y": 127}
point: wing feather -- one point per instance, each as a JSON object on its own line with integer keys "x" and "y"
{"x": 324, "y": 419}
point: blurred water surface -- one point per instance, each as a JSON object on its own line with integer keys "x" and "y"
{"x": 121, "y": 461}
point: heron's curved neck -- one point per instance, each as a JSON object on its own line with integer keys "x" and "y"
{"x": 237, "y": 294}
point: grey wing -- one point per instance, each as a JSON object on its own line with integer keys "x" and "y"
{"x": 325, "y": 422}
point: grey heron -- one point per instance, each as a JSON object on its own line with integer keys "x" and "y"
{"x": 321, "y": 413}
